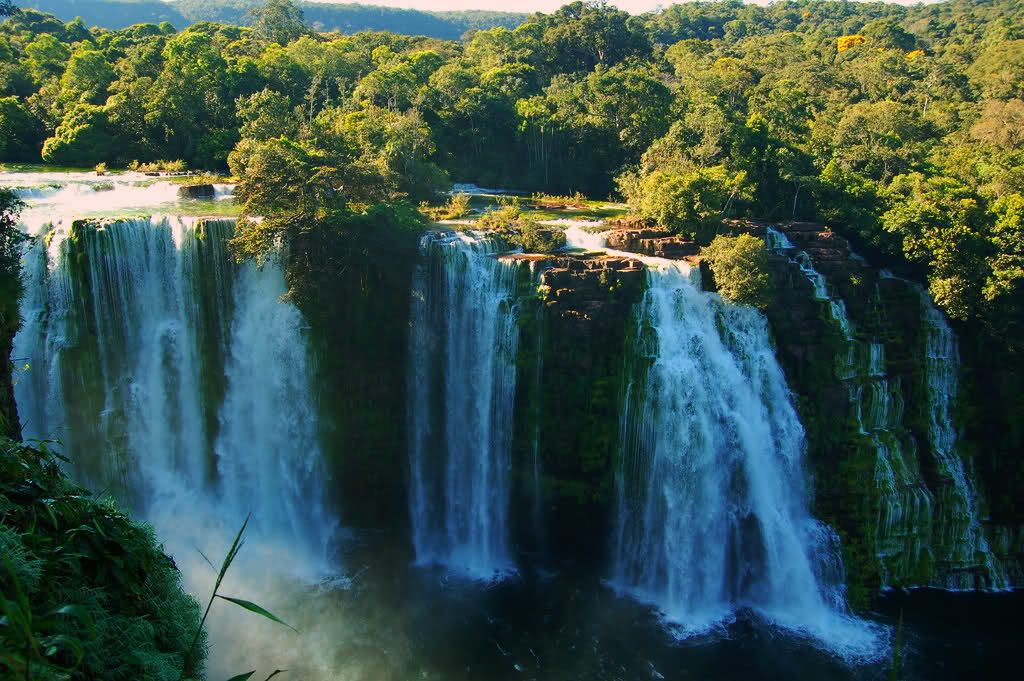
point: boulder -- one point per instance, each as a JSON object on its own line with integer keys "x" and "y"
{"x": 196, "y": 191}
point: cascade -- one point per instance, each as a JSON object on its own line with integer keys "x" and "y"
{"x": 956, "y": 524}
{"x": 172, "y": 377}
{"x": 711, "y": 502}
{"x": 923, "y": 536}
{"x": 903, "y": 529}
{"x": 462, "y": 379}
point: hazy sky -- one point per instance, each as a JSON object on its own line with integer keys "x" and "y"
{"x": 634, "y": 6}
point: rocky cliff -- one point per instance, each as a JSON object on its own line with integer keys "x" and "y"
{"x": 883, "y": 395}
{"x": 571, "y": 361}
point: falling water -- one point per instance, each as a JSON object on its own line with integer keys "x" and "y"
{"x": 924, "y": 536}
{"x": 957, "y": 524}
{"x": 462, "y": 384}
{"x": 264, "y": 450}
{"x": 172, "y": 377}
{"x": 712, "y": 506}
{"x": 903, "y": 530}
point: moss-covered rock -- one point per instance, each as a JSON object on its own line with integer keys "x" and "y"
{"x": 569, "y": 398}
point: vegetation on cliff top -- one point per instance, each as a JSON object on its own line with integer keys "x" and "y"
{"x": 899, "y": 126}
{"x": 740, "y": 267}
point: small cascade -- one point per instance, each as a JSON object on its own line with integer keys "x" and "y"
{"x": 778, "y": 242}
{"x": 145, "y": 348}
{"x": 903, "y": 535}
{"x": 957, "y": 525}
{"x": 924, "y": 536}
{"x": 712, "y": 506}
{"x": 463, "y": 345}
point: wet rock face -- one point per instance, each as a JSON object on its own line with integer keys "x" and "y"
{"x": 882, "y": 466}
{"x": 571, "y": 356}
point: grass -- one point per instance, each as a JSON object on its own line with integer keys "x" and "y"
{"x": 229, "y": 558}
{"x": 589, "y": 209}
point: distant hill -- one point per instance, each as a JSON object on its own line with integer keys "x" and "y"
{"x": 347, "y": 18}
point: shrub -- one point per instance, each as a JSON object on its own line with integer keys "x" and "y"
{"x": 456, "y": 207}
{"x": 163, "y": 166}
{"x": 520, "y": 229}
{"x": 88, "y": 592}
{"x": 740, "y": 267}
{"x": 689, "y": 201}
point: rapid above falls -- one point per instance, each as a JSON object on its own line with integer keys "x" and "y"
{"x": 173, "y": 377}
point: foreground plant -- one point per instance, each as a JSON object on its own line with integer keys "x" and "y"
{"x": 229, "y": 558}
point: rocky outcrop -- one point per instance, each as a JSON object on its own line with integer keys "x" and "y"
{"x": 891, "y": 475}
{"x": 196, "y": 191}
{"x": 10, "y": 426}
{"x": 583, "y": 282}
{"x": 568, "y": 400}
{"x": 655, "y": 241}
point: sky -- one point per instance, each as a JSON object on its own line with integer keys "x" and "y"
{"x": 633, "y": 6}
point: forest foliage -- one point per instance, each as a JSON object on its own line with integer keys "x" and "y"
{"x": 87, "y": 592}
{"x": 900, "y": 127}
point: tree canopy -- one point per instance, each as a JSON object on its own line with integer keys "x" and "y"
{"x": 901, "y": 128}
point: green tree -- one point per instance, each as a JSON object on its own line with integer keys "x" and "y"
{"x": 279, "y": 21}
{"x": 266, "y": 114}
{"x": 580, "y": 35}
{"x": 86, "y": 78}
{"x": 46, "y": 57}
{"x": 83, "y": 138}
{"x": 1006, "y": 280}
{"x": 740, "y": 267}
{"x": 941, "y": 223}
{"x": 887, "y": 33}
{"x": 999, "y": 71}
{"x": 20, "y": 132}
{"x": 880, "y": 139}
{"x": 691, "y": 202}
{"x": 291, "y": 188}
{"x": 189, "y": 99}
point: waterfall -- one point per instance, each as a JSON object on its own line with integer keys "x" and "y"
{"x": 903, "y": 530}
{"x": 173, "y": 378}
{"x": 924, "y": 535}
{"x": 957, "y": 524}
{"x": 712, "y": 507}
{"x": 462, "y": 385}
{"x": 265, "y": 451}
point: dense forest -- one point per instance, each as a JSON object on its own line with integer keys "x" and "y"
{"x": 903, "y": 127}
{"x": 346, "y": 18}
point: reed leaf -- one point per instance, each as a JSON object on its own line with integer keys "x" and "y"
{"x": 252, "y": 607}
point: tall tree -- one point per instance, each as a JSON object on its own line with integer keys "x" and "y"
{"x": 279, "y": 21}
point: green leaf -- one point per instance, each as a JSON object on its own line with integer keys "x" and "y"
{"x": 78, "y": 612}
{"x": 242, "y": 677}
{"x": 275, "y": 673}
{"x": 236, "y": 546}
{"x": 252, "y": 607}
{"x": 57, "y": 642}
